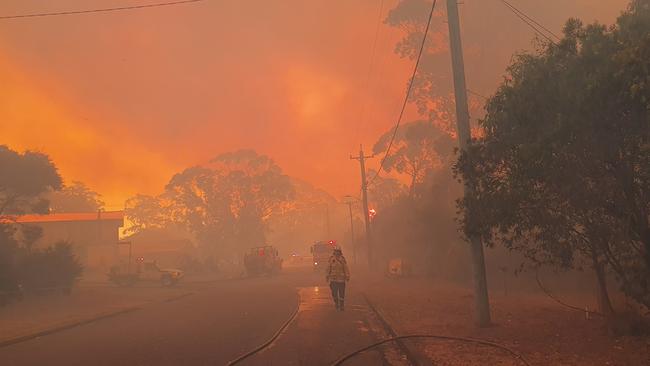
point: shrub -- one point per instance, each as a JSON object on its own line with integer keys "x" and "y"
{"x": 55, "y": 266}
{"x": 8, "y": 278}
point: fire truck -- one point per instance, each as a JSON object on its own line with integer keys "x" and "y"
{"x": 262, "y": 261}
{"x": 321, "y": 252}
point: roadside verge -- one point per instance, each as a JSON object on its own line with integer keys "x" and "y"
{"x": 38, "y": 316}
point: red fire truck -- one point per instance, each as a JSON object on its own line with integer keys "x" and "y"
{"x": 321, "y": 252}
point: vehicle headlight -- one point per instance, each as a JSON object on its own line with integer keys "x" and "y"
{"x": 315, "y": 263}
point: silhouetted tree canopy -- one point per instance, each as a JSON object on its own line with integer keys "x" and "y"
{"x": 432, "y": 91}
{"x": 302, "y": 219}
{"x": 25, "y": 176}
{"x": 385, "y": 191}
{"x": 225, "y": 204}
{"x": 419, "y": 147}
{"x": 30, "y": 235}
{"x": 563, "y": 171}
{"x": 145, "y": 212}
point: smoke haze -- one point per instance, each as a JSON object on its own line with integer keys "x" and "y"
{"x": 122, "y": 102}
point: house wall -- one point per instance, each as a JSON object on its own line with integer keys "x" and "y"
{"x": 95, "y": 242}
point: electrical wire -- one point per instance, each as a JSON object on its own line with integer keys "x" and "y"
{"x": 371, "y": 64}
{"x": 100, "y": 10}
{"x": 532, "y": 26}
{"x": 531, "y": 19}
{"x": 408, "y": 93}
{"x": 532, "y": 23}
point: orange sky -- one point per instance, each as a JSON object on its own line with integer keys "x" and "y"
{"x": 121, "y": 101}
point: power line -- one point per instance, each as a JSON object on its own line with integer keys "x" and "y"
{"x": 532, "y": 23}
{"x": 531, "y": 19}
{"x": 100, "y": 10}
{"x": 372, "y": 61}
{"x": 408, "y": 93}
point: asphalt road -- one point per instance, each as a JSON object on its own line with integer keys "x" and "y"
{"x": 217, "y": 323}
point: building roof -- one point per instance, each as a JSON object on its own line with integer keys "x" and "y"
{"x": 72, "y": 217}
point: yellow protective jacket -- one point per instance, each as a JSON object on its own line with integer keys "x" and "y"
{"x": 337, "y": 269}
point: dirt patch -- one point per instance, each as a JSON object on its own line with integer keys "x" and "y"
{"x": 530, "y": 324}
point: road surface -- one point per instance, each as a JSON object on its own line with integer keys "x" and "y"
{"x": 217, "y": 323}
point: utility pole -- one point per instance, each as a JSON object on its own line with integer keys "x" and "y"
{"x": 364, "y": 192}
{"x": 481, "y": 299}
{"x": 327, "y": 221}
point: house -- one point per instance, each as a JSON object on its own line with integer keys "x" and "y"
{"x": 94, "y": 235}
{"x": 170, "y": 246}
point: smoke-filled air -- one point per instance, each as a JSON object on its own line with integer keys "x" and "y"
{"x": 325, "y": 183}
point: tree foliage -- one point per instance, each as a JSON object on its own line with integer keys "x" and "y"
{"x": 421, "y": 230}
{"x": 145, "y": 212}
{"x": 303, "y": 218}
{"x": 419, "y": 147}
{"x": 432, "y": 91}
{"x": 30, "y": 235}
{"x": 385, "y": 191}
{"x": 563, "y": 171}
{"x": 25, "y": 176}
{"x": 225, "y": 204}
{"x": 418, "y": 223}
{"x": 75, "y": 198}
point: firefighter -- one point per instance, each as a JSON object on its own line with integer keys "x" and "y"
{"x": 338, "y": 274}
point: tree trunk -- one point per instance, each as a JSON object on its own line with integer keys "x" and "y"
{"x": 412, "y": 187}
{"x": 646, "y": 244}
{"x": 604, "y": 303}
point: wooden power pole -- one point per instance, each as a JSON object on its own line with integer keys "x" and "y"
{"x": 327, "y": 221}
{"x": 481, "y": 299}
{"x": 364, "y": 194}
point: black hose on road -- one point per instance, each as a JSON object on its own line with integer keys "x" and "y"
{"x": 268, "y": 342}
{"x": 432, "y": 336}
{"x": 407, "y": 352}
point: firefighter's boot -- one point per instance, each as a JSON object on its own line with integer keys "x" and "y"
{"x": 341, "y": 304}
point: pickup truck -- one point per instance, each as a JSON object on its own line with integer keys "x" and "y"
{"x": 144, "y": 271}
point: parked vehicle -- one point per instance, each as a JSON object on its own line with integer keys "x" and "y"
{"x": 262, "y": 261}
{"x": 144, "y": 271}
{"x": 321, "y": 252}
